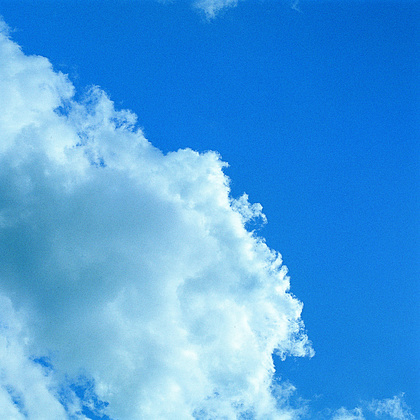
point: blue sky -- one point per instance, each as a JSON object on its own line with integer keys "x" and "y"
{"x": 315, "y": 109}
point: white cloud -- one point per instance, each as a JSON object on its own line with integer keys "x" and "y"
{"x": 25, "y": 389}
{"x": 212, "y": 7}
{"x": 128, "y": 266}
{"x": 390, "y": 408}
{"x": 345, "y": 414}
{"x": 395, "y": 408}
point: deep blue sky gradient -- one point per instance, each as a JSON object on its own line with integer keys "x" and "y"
{"x": 317, "y": 113}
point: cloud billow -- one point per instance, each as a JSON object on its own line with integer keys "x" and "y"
{"x": 129, "y": 266}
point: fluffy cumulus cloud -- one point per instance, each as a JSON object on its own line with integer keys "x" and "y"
{"x": 129, "y": 284}
{"x": 25, "y": 388}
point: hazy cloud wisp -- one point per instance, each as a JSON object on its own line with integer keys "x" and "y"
{"x": 212, "y": 7}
